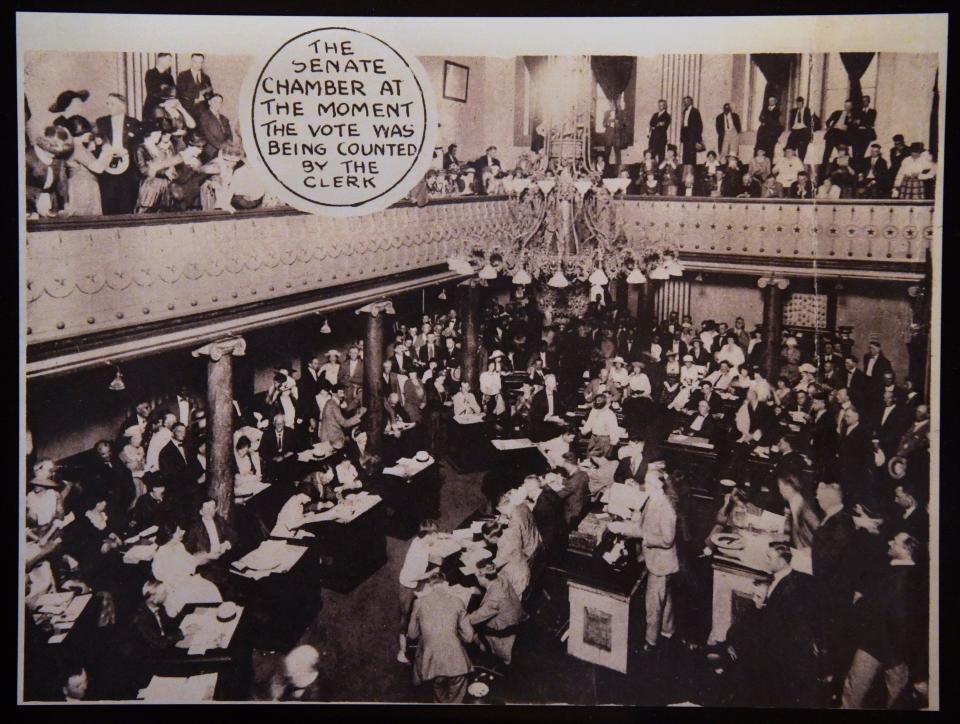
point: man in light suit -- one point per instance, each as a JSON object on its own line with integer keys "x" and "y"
{"x": 333, "y": 425}
{"x": 495, "y": 620}
{"x": 440, "y": 623}
{"x": 657, "y": 526}
{"x": 691, "y": 132}
{"x": 728, "y": 132}
{"x": 351, "y": 377}
{"x": 194, "y": 85}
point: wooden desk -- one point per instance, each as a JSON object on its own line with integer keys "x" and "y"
{"x": 348, "y": 553}
{"x": 468, "y": 445}
{"x": 409, "y": 500}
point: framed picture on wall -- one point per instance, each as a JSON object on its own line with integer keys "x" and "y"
{"x": 455, "y": 80}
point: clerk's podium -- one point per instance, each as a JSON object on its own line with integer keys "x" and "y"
{"x": 604, "y": 615}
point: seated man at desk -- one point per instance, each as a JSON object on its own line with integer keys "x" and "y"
{"x": 211, "y": 536}
{"x": 465, "y": 403}
{"x": 603, "y": 428}
{"x": 546, "y": 412}
{"x": 150, "y": 509}
{"x": 555, "y": 448}
{"x": 724, "y": 379}
{"x": 278, "y": 446}
{"x": 496, "y": 619}
{"x": 701, "y": 424}
{"x": 153, "y": 629}
{"x": 246, "y": 460}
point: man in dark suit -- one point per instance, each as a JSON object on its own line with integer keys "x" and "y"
{"x": 308, "y": 387}
{"x": 194, "y": 85}
{"x": 823, "y": 431}
{"x": 728, "y": 131}
{"x": 547, "y": 356}
{"x": 892, "y": 423}
{"x": 215, "y": 126}
{"x": 659, "y": 123}
{"x": 855, "y": 460}
{"x": 891, "y": 626}
{"x": 841, "y": 127}
{"x": 898, "y": 151}
{"x": 872, "y": 175}
{"x": 153, "y": 629}
{"x": 633, "y": 465}
{"x": 856, "y": 383}
{"x": 576, "y": 490}
{"x": 701, "y": 424}
{"x": 546, "y": 412}
{"x": 277, "y": 447}
{"x": 773, "y": 646}
{"x": 151, "y": 509}
{"x": 153, "y": 80}
{"x": 875, "y": 365}
{"x": 834, "y": 564}
{"x": 865, "y": 132}
{"x": 763, "y": 423}
{"x": 801, "y": 126}
{"x": 430, "y": 351}
{"x": 549, "y": 517}
{"x": 121, "y": 134}
{"x": 402, "y": 362}
{"x": 691, "y": 132}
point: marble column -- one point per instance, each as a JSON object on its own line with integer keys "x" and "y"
{"x": 220, "y": 395}
{"x": 772, "y": 289}
{"x": 373, "y": 392}
{"x": 469, "y": 349}
{"x": 632, "y": 295}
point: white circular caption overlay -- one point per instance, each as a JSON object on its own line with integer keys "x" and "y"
{"x": 342, "y": 122}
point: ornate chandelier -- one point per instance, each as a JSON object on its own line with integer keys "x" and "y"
{"x": 566, "y": 228}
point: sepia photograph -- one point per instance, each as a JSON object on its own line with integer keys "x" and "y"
{"x": 371, "y": 360}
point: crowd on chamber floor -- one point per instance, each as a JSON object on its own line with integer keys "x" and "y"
{"x": 602, "y": 400}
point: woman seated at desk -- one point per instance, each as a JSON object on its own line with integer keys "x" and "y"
{"x": 175, "y": 567}
{"x": 296, "y": 512}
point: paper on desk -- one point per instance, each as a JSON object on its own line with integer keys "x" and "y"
{"x": 443, "y": 547}
{"x": 516, "y": 444}
{"x": 247, "y": 486}
{"x": 140, "y": 553}
{"x": 57, "y": 638}
{"x": 76, "y": 606}
{"x": 463, "y": 534}
{"x": 50, "y": 601}
{"x": 145, "y": 533}
{"x": 767, "y": 521}
{"x": 180, "y": 688}
{"x": 468, "y": 419}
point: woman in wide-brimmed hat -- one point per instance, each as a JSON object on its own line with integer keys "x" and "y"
{"x": 83, "y": 167}
{"x": 46, "y": 176}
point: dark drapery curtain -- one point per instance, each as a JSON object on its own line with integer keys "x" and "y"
{"x": 856, "y": 65}
{"x": 776, "y": 71}
{"x": 935, "y": 117}
{"x": 613, "y": 74}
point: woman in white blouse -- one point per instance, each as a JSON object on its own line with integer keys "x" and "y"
{"x": 176, "y": 567}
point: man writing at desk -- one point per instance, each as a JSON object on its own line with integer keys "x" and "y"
{"x": 465, "y": 403}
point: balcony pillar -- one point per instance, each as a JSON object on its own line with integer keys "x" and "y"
{"x": 772, "y": 289}
{"x": 373, "y": 348}
{"x": 632, "y": 295}
{"x": 220, "y": 356}
{"x": 470, "y": 313}
{"x": 647, "y": 304}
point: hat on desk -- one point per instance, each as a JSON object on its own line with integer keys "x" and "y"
{"x": 728, "y": 483}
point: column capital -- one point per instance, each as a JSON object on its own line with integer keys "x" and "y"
{"x": 236, "y": 346}
{"x": 375, "y": 309}
{"x": 780, "y": 282}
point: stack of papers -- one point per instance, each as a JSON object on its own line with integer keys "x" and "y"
{"x": 624, "y": 500}
{"x": 767, "y": 522}
{"x": 408, "y": 467}
{"x": 145, "y": 533}
{"x": 440, "y": 548}
{"x": 354, "y": 506}
{"x": 248, "y": 486}
{"x": 467, "y": 419}
{"x": 202, "y": 630}
{"x": 517, "y": 444}
{"x": 271, "y": 556}
{"x": 140, "y": 553}
{"x": 691, "y": 440}
{"x": 180, "y": 688}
